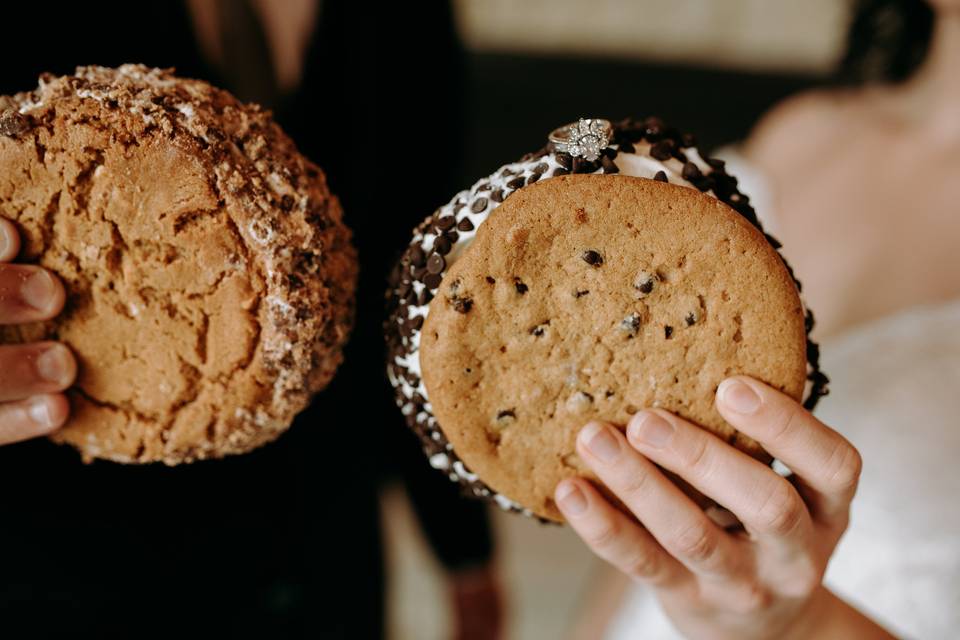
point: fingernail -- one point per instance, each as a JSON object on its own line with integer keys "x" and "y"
{"x": 38, "y": 290}
{"x": 40, "y": 412}
{"x": 53, "y": 364}
{"x": 651, "y": 429}
{"x": 4, "y": 240}
{"x": 600, "y": 441}
{"x": 571, "y": 500}
{"x": 739, "y": 396}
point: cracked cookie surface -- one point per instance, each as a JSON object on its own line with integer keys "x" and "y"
{"x": 589, "y": 297}
{"x": 210, "y": 277}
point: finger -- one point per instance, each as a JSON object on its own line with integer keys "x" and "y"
{"x": 823, "y": 459}
{"x": 679, "y": 525}
{"x": 614, "y": 537}
{"x": 28, "y": 293}
{"x": 766, "y": 503}
{"x": 33, "y": 417}
{"x": 29, "y": 369}
{"x": 9, "y": 241}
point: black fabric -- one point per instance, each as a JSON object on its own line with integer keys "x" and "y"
{"x": 285, "y": 541}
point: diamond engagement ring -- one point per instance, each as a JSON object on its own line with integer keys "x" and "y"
{"x": 586, "y": 138}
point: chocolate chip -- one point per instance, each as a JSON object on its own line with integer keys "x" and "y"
{"x": 442, "y": 246}
{"x": 506, "y": 413}
{"x": 560, "y": 171}
{"x": 662, "y": 150}
{"x": 484, "y": 187}
{"x": 540, "y": 329}
{"x": 627, "y": 147}
{"x": 490, "y": 280}
{"x": 452, "y": 236}
{"x": 565, "y": 160}
{"x": 592, "y": 258}
{"x": 417, "y": 257}
{"x": 465, "y": 225}
{"x": 583, "y": 166}
{"x": 462, "y": 305}
{"x": 436, "y": 264}
{"x": 516, "y": 183}
{"x": 479, "y": 205}
{"x": 691, "y": 318}
{"x": 287, "y": 202}
{"x": 445, "y": 223}
{"x": 416, "y": 322}
{"x": 668, "y": 332}
{"x": 521, "y": 287}
{"x": 497, "y": 196}
{"x": 533, "y": 178}
{"x": 580, "y": 294}
{"x": 540, "y": 168}
{"x": 691, "y": 172}
{"x": 688, "y": 140}
{"x": 608, "y": 165}
{"x": 13, "y": 123}
{"x": 644, "y": 283}
{"x": 432, "y": 280}
{"x": 716, "y": 163}
{"x": 425, "y": 296}
{"x": 661, "y": 176}
{"x": 653, "y": 126}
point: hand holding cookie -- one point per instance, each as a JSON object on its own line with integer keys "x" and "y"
{"x": 31, "y": 375}
{"x": 761, "y": 581}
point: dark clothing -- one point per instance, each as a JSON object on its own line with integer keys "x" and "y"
{"x": 285, "y": 541}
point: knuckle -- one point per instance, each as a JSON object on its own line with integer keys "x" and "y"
{"x": 644, "y": 567}
{"x": 698, "y": 544}
{"x": 632, "y": 484}
{"x": 698, "y": 456}
{"x": 843, "y": 468}
{"x": 754, "y": 598}
{"x": 783, "y": 423}
{"x": 782, "y": 511}
{"x": 603, "y": 537}
{"x": 804, "y": 578}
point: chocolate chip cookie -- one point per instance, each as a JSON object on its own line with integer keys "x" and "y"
{"x": 540, "y": 299}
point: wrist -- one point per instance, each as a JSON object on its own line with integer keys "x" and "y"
{"x": 829, "y": 617}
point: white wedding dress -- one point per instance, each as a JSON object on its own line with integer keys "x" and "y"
{"x": 895, "y": 394}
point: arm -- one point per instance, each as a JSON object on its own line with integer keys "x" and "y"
{"x": 31, "y": 375}
{"x": 764, "y": 581}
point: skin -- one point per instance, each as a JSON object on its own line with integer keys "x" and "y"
{"x": 761, "y": 580}
{"x": 31, "y": 375}
{"x": 865, "y": 188}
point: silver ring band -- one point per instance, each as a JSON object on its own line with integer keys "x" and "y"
{"x": 583, "y": 139}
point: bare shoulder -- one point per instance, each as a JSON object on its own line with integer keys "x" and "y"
{"x": 799, "y": 127}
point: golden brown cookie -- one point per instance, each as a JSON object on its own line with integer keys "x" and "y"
{"x": 638, "y": 148}
{"x": 635, "y": 294}
{"x": 210, "y": 277}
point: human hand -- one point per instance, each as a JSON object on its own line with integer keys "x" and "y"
{"x": 31, "y": 375}
{"x": 763, "y": 581}
{"x": 478, "y": 604}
